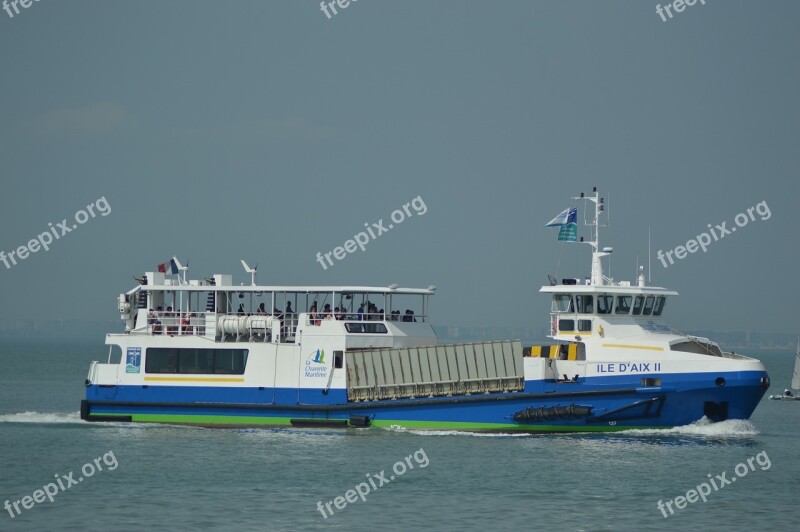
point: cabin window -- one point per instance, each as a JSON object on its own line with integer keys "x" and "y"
{"x": 638, "y": 303}
{"x": 604, "y": 304}
{"x": 585, "y": 304}
{"x": 365, "y": 328}
{"x": 659, "y": 308}
{"x": 195, "y": 361}
{"x": 562, "y": 303}
{"x": 585, "y": 325}
{"x": 623, "y": 305}
{"x": 648, "y": 305}
{"x": 566, "y": 325}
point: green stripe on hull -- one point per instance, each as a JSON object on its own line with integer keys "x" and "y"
{"x": 252, "y": 421}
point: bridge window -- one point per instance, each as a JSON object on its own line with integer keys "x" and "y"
{"x": 562, "y": 303}
{"x": 195, "y": 361}
{"x": 648, "y": 305}
{"x": 659, "y": 308}
{"x": 566, "y": 325}
{"x": 585, "y": 325}
{"x": 623, "y": 305}
{"x": 585, "y": 304}
{"x": 365, "y": 328}
{"x": 638, "y": 303}
{"x": 604, "y": 304}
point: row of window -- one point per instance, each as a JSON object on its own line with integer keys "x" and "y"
{"x": 569, "y": 326}
{"x": 196, "y": 361}
{"x": 365, "y": 327}
{"x": 639, "y": 306}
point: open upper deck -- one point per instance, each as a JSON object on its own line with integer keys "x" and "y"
{"x": 216, "y": 308}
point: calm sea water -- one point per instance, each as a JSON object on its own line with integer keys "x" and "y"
{"x": 170, "y": 478}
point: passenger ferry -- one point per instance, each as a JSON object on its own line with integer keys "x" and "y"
{"x": 209, "y": 353}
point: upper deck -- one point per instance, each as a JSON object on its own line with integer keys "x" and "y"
{"x": 216, "y": 309}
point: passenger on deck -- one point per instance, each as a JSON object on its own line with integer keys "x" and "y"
{"x": 326, "y": 311}
{"x": 152, "y": 320}
{"x": 407, "y": 315}
{"x": 788, "y": 393}
{"x": 373, "y": 311}
{"x": 186, "y": 327}
{"x": 361, "y": 312}
{"x": 313, "y": 314}
{"x": 289, "y": 308}
{"x": 262, "y": 309}
{"x": 172, "y": 328}
{"x": 337, "y": 314}
{"x": 381, "y": 315}
{"x": 241, "y": 309}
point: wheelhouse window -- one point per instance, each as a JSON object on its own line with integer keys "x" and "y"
{"x": 365, "y": 328}
{"x": 585, "y": 304}
{"x": 638, "y": 303}
{"x": 562, "y": 303}
{"x": 566, "y": 325}
{"x": 585, "y": 325}
{"x": 604, "y": 304}
{"x": 195, "y": 361}
{"x": 648, "y": 306}
{"x": 659, "y": 308}
{"x": 623, "y": 305}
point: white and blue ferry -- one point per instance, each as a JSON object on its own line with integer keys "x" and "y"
{"x": 210, "y": 353}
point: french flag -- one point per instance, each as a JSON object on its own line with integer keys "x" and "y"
{"x": 168, "y": 267}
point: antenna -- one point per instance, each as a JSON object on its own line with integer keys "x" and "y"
{"x": 649, "y": 258}
{"x": 251, "y": 271}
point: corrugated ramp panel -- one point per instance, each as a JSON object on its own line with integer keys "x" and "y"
{"x": 480, "y": 367}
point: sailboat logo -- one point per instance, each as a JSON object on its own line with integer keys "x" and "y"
{"x": 318, "y": 356}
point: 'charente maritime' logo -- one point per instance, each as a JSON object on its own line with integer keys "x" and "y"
{"x": 315, "y": 364}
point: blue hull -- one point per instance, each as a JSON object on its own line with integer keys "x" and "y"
{"x": 594, "y": 404}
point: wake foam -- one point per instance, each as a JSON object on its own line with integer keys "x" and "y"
{"x": 467, "y": 433}
{"x": 704, "y": 428}
{"x": 44, "y": 418}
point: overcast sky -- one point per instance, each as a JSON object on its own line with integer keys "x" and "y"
{"x": 264, "y": 130}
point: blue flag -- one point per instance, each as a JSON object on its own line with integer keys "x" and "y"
{"x": 567, "y": 221}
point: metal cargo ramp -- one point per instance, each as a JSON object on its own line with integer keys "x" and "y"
{"x": 436, "y": 370}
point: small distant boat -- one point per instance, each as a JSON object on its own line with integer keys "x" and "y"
{"x": 787, "y": 394}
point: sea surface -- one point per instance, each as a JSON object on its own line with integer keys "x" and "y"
{"x": 177, "y": 478}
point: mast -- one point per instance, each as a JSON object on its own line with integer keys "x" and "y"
{"x": 599, "y": 207}
{"x": 796, "y": 373}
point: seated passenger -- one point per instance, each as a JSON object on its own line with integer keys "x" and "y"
{"x": 262, "y": 310}
{"x": 172, "y": 328}
{"x": 326, "y": 311}
{"x": 241, "y": 309}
